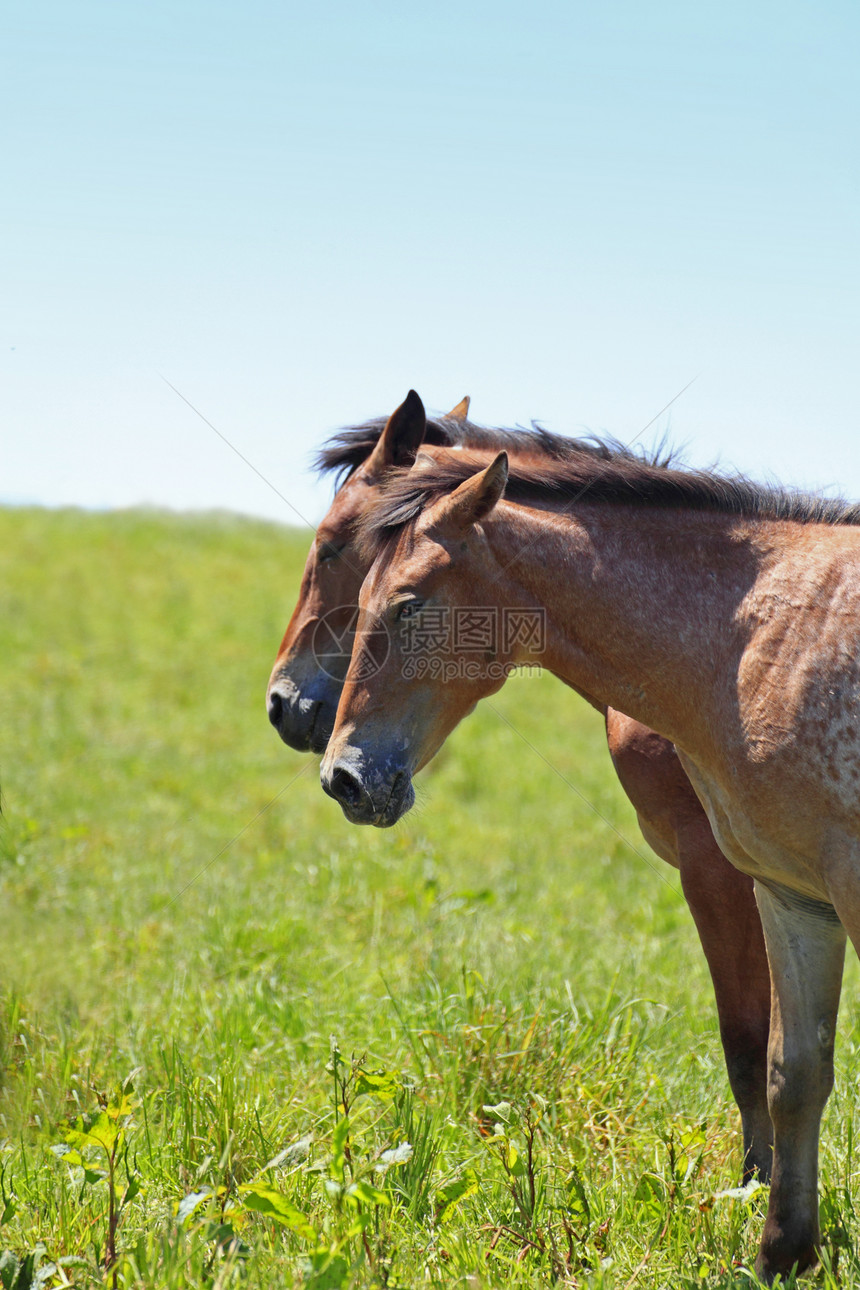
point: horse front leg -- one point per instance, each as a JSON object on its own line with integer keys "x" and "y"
{"x": 806, "y": 950}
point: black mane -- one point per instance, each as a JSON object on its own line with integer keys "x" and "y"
{"x": 345, "y": 451}
{"x": 596, "y": 472}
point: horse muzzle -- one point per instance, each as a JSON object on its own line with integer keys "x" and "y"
{"x": 367, "y": 796}
{"x": 304, "y": 721}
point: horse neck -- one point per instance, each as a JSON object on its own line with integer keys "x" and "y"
{"x": 639, "y": 602}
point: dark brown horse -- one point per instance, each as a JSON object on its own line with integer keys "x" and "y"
{"x": 306, "y": 684}
{"x": 722, "y": 614}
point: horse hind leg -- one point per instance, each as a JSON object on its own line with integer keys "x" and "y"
{"x": 722, "y": 902}
{"x": 806, "y": 949}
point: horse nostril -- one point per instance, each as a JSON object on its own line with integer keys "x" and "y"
{"x": 345, "y": 787}
{"x": 276, "y": 708}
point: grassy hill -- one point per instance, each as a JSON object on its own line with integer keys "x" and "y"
{"x": 185, "y": 914}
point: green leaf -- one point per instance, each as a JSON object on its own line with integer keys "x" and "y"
{"x": 67, "y": 1153}
{"x": 93, "y": 1131}
{"x": 326, "y": 1271}
{"x": 504, "y": 1112}
{"x": 8, "y": 1269}
{"x": 265, "y": 1200}
{"x": 384, "y": 1084}
{"x": 650, "y": 1196}
{"x": 338, "y": 1148}
{"x": 513, "y": 1163}
{"x": 577, "y": 1200}
{"x": 22, "y": 1274}
{"x": 122, "y": 1107}
{"x": 367, "y": 1194}
{"x": 448, "y": 1198}
{"x": 225, "y": 1237}
{"x": 692, "y": 1143}
{"x": 74, "y": 1158}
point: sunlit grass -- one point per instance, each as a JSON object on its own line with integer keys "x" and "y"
{"x": 181, "y": 903}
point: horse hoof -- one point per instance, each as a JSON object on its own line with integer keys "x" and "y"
{"x": 776, "y": 1259}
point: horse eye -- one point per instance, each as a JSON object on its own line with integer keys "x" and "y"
{"x": 408, "y": 609}
{"x": 328, "y": 551}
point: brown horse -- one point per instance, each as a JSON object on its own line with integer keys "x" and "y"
{"x": 725, "y": 616}
{"x": 307, "y": 680}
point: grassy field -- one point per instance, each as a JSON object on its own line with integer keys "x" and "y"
{"x": 245, "y": 1043}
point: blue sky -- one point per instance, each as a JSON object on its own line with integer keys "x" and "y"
{"x": 296, "y": 212}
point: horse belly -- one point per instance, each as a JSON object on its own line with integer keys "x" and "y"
{"x": 762, "y": 833}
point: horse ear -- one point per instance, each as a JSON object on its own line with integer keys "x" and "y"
{"x": 473, "y": 500}
{"x": 402, "y": 437}
{"x": 461, "y": 411}
{"x": 423, "y": 461}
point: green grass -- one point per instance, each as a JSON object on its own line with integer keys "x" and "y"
{"x": 182, "y": 911}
